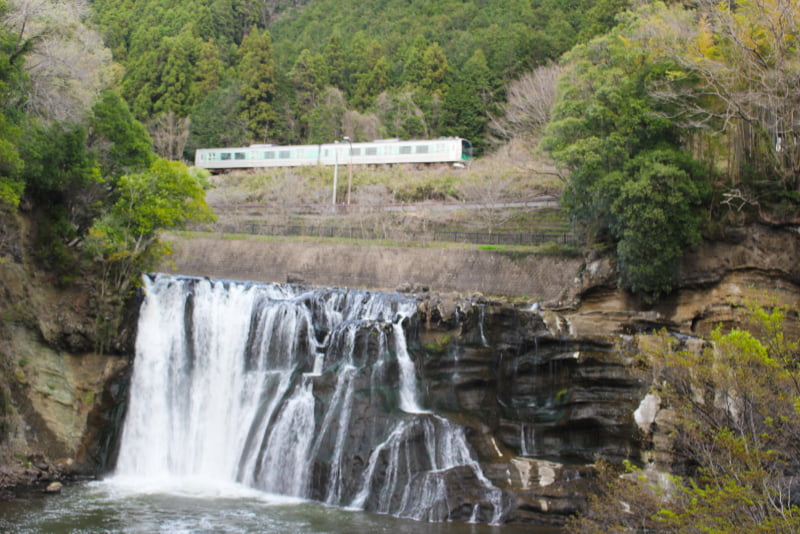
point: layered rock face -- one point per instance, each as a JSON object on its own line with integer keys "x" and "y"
{"x": 57, "y": 393}
{"x": 541, "y": 405}
{"x": 549, "y": 388}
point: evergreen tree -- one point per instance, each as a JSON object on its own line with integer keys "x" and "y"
{"x": 217, "y": 121}
{"x": 414, "y": 63}
{"x": 176, "y": 90}
{"x": 167, "y": 78}
{"x": 120, "y": 141}
{"x": 258, "y": 77}
{"x": 464, "y": 106}
{"x": 325, "y": 124}
{"x": 362, "y": 56}
{"x": 462, "y": 114}
{"x": 371, "y": 84}
{"x": 435, "y": 70}
{"x": 334, "y": 60}
{"x": 308, "y": 79}
{"x": 209, "y": 70}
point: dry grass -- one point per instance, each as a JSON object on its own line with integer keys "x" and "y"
{"x": 399, "y": 197}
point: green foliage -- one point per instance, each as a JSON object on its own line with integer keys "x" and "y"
{"x": 326, "y": 118}
{"x": 165, "y": 196}
{"x": 217, "y": 121}
{"x": 629, "y": 181}
{"x": 62, "y": 180}
{"x": 655, "y": 217}
{"x": 11, "y": 164}
{"x": 736, "y": 427}
{"x": 462, "y": 113}
{"x": 169, "y": 76}
{"x": 258, "y": 89}
{"x": 119, "y": 140}
{"x": 125, "y": 239}
{"x": 54, "y": 233}
{"x": 177, "y": 54}
{"x": 57, "y": 162}
{"x": 11, "y": 186}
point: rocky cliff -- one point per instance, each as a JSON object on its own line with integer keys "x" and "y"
{"x": 545, "y": 384}
{"x": 57, "y": 392}
{"x": 549, "y": 388}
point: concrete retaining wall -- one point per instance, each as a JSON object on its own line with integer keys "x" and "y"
{"x": 441, "y": 270}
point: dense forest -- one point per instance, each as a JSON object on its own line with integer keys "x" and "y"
{"x": 278, "y": 72}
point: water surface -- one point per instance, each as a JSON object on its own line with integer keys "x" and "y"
{"x": 116, "y": 507}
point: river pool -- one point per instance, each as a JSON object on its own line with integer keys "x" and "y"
{"x": 115, "y": 507}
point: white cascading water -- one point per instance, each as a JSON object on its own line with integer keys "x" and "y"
{"x": 266, "y": 386}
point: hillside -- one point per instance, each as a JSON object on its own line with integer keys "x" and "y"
{"x": 294, "y": 72}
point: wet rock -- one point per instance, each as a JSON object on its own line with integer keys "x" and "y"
{"x": 54, "y": 487}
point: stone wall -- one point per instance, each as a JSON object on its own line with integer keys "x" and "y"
{"x": 441, "y": 270}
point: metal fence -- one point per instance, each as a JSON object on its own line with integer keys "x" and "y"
{"x": 391, "y": 233}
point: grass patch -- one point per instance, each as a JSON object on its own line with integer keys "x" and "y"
{"x": 512, "y": 251}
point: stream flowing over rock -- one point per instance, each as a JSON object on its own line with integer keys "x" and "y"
{"x": 332, "y": 395}
{"x": 302, "y": 393}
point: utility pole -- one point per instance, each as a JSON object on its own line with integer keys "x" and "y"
{"x": 335, "y": 171}
{"x": 350, "y": 177}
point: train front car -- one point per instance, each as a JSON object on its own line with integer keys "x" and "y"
{"x": 466, "y": 150}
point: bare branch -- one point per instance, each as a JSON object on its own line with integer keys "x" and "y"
{"x": 529, "y": 103}
{"x": 67, "y": 62}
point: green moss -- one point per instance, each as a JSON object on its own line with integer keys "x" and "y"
{"x": 440, "y": 345}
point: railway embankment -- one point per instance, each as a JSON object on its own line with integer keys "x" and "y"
{"x": 502, "y": 272}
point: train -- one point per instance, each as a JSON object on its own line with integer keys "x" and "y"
{"x": 449, "y": 150}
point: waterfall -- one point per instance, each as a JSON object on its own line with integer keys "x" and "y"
{"x": 304, "y": 393}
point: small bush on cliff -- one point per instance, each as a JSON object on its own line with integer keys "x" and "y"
{"x": 125, "y": 239}
{"x": 737, "y": 431}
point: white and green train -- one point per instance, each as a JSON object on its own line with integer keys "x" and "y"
{"x": 450, "y": 150}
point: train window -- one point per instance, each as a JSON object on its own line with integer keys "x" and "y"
{"x": 239, "y": 155}
{"x": 440, "y": 147}
{"x": 405, "y": 149}
{"x": 269, "y": 155}
{"x": 422, "y": 149}
{"x": 371, "y": 151}
{"x": 355, "y": 151}
{"x": 284, "y": 154}
{"x": 225, "y": 156}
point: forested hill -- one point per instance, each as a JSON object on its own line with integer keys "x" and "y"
{"x": 293, "y": 71}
